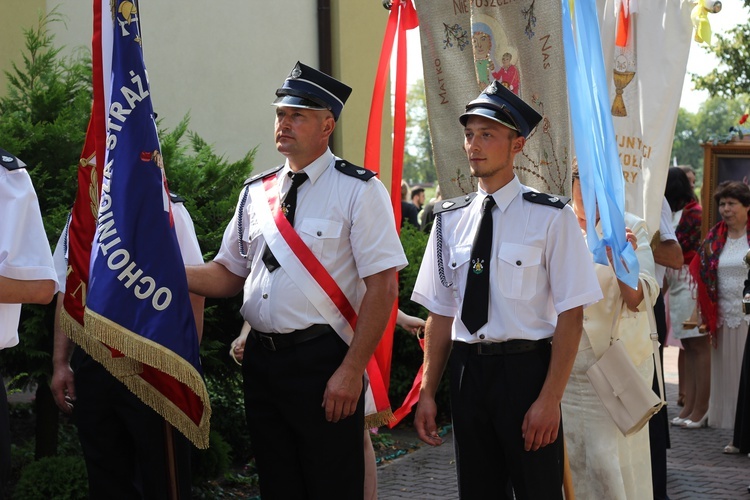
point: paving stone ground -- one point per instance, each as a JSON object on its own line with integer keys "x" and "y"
{"x": 696, "y": 467}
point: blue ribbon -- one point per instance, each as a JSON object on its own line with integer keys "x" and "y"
{"x": 595, "y": 145}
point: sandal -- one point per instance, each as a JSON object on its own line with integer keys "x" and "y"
{"x": 731, "y": 449}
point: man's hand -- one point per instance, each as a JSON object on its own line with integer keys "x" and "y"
{"x": 63, "y": 382}
{"x": 237, "y": 348}
{"x": 342, "y": 394}
{"x": 63, "y": 388}
{"x": 541, "y": 424}
{"x": 345, "y": 385}
{"x": 424, "y": 421}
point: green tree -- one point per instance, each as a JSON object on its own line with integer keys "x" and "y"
{"x": 712, "y": 122}
{"x": 419, "y": 165}
{"x": 732, "y": 77}
{"x": 686, "y": 146}
{"x": 43, "y": 121}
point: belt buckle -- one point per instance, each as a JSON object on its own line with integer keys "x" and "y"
{"x": 267, "y": 342}
{"x": 481, "y": 348}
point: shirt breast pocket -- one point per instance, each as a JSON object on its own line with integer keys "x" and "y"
{"x": 458, "y": 263}
{"x": 518, "y": 268}
{"x": 251, "y": 238}
{"x": 321, "y": 236}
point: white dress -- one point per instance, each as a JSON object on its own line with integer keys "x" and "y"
{"x": 726, "y": 359}
{"x": 604, "y": 464}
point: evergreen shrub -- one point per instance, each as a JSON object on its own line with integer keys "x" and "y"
{"x": 61, "y": 478}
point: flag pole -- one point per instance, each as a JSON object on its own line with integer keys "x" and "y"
{"x": 568, "y": 489}
{"x": 172, "y": 487}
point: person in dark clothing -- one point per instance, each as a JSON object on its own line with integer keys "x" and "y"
{"x": 409, "y": 212}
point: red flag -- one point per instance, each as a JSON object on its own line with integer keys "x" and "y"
{"x": 80, "y": 235}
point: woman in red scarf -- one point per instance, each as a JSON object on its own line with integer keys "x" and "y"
{"x": 719, "y": 272}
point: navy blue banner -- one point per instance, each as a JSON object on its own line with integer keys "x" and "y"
{"x": 138, "y": 302}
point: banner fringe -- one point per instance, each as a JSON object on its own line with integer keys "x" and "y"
{"x": 118, "y": 367}
{"x": 101, "y": 332}
{"x": 197, "y": 434}
{"x": 70, "y": 327}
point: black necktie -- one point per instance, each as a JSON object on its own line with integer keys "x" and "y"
{"x": 477, "y": 293}
{"x": 288, "y": 207}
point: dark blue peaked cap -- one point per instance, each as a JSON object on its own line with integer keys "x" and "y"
{"x": 306, "y": 87}
{"x": 498, "y": 103}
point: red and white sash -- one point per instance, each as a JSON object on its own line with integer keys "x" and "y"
{"x": 307, "y": 272}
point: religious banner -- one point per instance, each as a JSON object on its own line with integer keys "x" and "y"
{"x": 138, "y": 321}
{"x": 645, "y": 87}
{"x": 466, "y": 44}
{"x": 448, "y": 66}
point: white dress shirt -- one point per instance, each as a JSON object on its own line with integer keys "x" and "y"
{"x": 24, "y": 249}
{"x": 540, "y": 267}
{"x": 348, "y": 225}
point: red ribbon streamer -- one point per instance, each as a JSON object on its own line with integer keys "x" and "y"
{"x": 403, "y": 17}
{"x": 411, "y": 399}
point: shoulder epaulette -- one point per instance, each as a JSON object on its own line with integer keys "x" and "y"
{"x": 347, "y": 168}
{"x": 265, "y": 173}
{"x": 176, "y": 198}
{"x": 550, "y": 200}
{"x": 453, "y": 203}
{"x": 9, "y": 161}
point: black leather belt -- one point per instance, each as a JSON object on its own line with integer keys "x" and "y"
{"x": 508, "y": 347}
{"x": 276, "y": 341}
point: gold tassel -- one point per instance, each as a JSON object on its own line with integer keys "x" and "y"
{"x": 379, "y": 419}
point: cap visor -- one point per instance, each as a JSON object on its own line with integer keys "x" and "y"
{"x": 493, "y": 115}
{"x": 296, "y": 102}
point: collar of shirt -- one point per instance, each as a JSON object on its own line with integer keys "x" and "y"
{"x": 314, "y": 170}
{"x": 505, "y": 195}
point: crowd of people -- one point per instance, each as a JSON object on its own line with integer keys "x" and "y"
{"x": 518, "y": 313}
